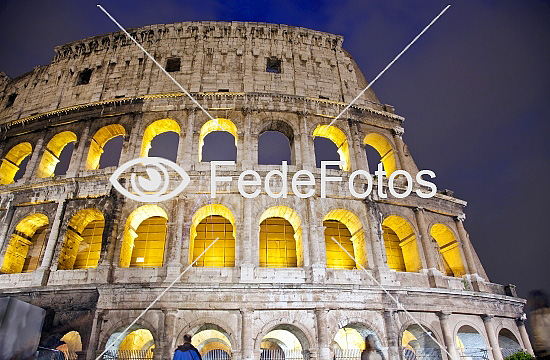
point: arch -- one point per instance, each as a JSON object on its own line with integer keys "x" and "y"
{"x": 137, "y": 342}
{"x": 51, "y": 155}
{"x": 385, "y": 149}
{"x": 470, "y": 342}
{"x": 272, "y": 132}
{"x": 415, "y": 341}
{"x": 83, "y": 239}
{"x": 208, "y": 339}
{"x": 211, "y": 126}
{"x": 73, "y": 341}
{"x": 156, "y": 128}
{"x": 349, "y": 340}
{"x": 276, "y": 246}
{"x": 353, "y": 235}
{"x": 449, "y": 252}
{"x": 208, "y": 223}
{"x": 291, "y": 340}
{"x": 508, "y": 342}
{"x": 100, "y": 138}
{"x": 12, "y": 160}
{"x": 144, "y": 237}
{"x": 26, "y": 245}
{"x": 401, "y": 244}
{"x": 338, "y": 137}
{"x": 208, "y": 323}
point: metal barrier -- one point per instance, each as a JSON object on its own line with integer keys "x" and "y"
{"x": 283, "y": 355}
{"x": 473, "y": 354}
{"x": 510, "y": 351}
{"x": 421, "y": 354}
{"x": 128, "y": 355}
{"x": 50, "y": 354}
{"x": 347, "y": 354}
{"x": 216, "y": 354}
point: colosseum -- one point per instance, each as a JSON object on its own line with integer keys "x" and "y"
{"x": 274, "y": 285}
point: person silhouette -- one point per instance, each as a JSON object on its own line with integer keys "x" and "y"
{"x": 187, "y": 351}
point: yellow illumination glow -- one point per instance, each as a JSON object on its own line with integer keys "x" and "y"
{"x": 73, "y": 341}
{"x": 26, "y": 245}
{"x": 401, "y": 246}
{"x": 280, "y": 238}
{"x": 208, "y": 223}
{"x": 335, "y": 255}
{"x": 12, "y": 160}
{"x": 50, "y": 158}
{"x": 156, "y": 128}
{"x": 452, "y": 264}
{"x": 385, "y": 149}
{"x": 349, "y": 338}
{"x": 82, "y": 244}
{"x": 99, "y": 140}
{"x": 208, "y": 340}
{"x": 338, "y": 137}
{"x": 145, "y": 241}
{"x": 137, "y": 340}
{"x": 211, "y": 126}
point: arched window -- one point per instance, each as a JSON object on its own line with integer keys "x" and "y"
{"x": 338, "y": 138}
{"x": 83, "y": 238}
{"x": 470, "y": 343}
{"x": 345, "y": 227}
{"x": 14, "y": 163}
{"x": 212, "y": 342}
{"x": 159, "y": 140}
{"x": 26, "y": 245}
{"x": 57, "y": 155}
{"x": 216, "y": 141}
{"x": 138, "y": 343}
{"x": 417, "y": 344}
{"x": 280, "y": 238}
{"x": 350, "y": 341}
{"x": 401, "y": 246}
{"x": 144, "y": 237}
{"x": 284, "y": 342}
{"x": 385, "y": 151}
{"x": 450, "y": 260}
{"x": 98, "y": 158}
{"x": 509, "y": 344}
{"x": 209, "y": 223}
{"x": 275, "y": 143}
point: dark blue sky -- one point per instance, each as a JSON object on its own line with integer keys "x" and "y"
{"x": 474, "y": 91}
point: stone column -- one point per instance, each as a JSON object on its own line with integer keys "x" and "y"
{"x": 78, "y": 153}
{"x": 247, "y": 345}
{"x": 315, "y": 238}
{"x": 186, "y": 161}
{"x": 174, "y": 250}
{"x": 448, "y": 334}
{"x": 170, "y": 316}
{"x": 247, "y": 264}
{"x": 92, "y": 349}
{"x": 399, "y": 149}
{"x": 391, "y": 331}
{"x": 322, "y": 333}
{"x": 360, "y": 152}
{"x": 374, "y": 233}
{"x": 249, "y": 148}
{"x": 426, "y": 242}
{"x": 307, "y": 148}
{"x": 33, "y": 161}
{"x": 6, "y": 221}
{"x": 492, "y": 336}
{"x": 524, "y": 335}
{"x": 466, "y": 246}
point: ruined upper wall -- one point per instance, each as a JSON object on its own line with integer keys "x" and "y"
{"x": 214, "y": 56}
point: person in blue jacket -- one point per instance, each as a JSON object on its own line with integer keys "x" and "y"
{"x": 187, "y": 351}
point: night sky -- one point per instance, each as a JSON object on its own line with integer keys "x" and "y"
{"x": 474, "y": 91}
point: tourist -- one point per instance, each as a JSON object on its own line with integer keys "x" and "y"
{"x": 187, "y": 351}
{"x": 540, "y": 323}
{"x": 371, "y": 352}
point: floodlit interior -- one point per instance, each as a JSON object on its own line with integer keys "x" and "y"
{"x": 83, "y": 237}
{"x": 12, "y": 160}
{"x": 347, "y": 229}
{"x": 417, "y": 344}
{"x": 283, "y": 342}
{"x": 209, "y": 223}
{"x": 156, "y": 128}
{"x": 400, "y": 243}
{"x": 211, "y": 126}
{"x": 280, "y": 238}
{"x": 338, "y": 137}
{"x": 508, "y": 342}
{"x": 212, "y": 343}
{"x": 350, "y": 341}
{"x": 101, "y": 137}
{"x": 73, "y": 341}
{"x": 138, "y": 343}
{"x": 144, "y": 237}
{"x": 50, "y": 157}
{"x": 385, "y": 149}
{"x": 26, "y": 245}
{"x": 450, "y": 259}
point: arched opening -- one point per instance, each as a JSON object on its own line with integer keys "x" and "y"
{"x": 284, "y": 342}
{"x": 212, "y": 342}
{"x": 338, "y": 138}
{"x": 83, "y": 239}
{"x": 161, "y": 139}
{"x": 509, "y": 344}
{"x": 349, "y": 341}
{"x": 209, "y": 223}
{"x": 144, "y": 237}
{"x": 70, "y": 344}
{"x": 450, "y": 260}
{"x": 280, "y": 238}
{"x": 105, "y": 147}
{"x": 385, "y": 151}
{"x": 346, "y": 228}
{"x": 275, "y": 143}
{"x": 417, "y": 344}
{"x": 470, "y": 344}
{"x": 14, "y": 163}
{"x": 57, "y": 155}
{"x": 26, "y": 245}
{"x": 136, "y": 343}
{"x": 400, "y": 243}
{"x": 218, "y": 141}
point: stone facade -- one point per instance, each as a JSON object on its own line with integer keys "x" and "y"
{"x": 106, "y": 80}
